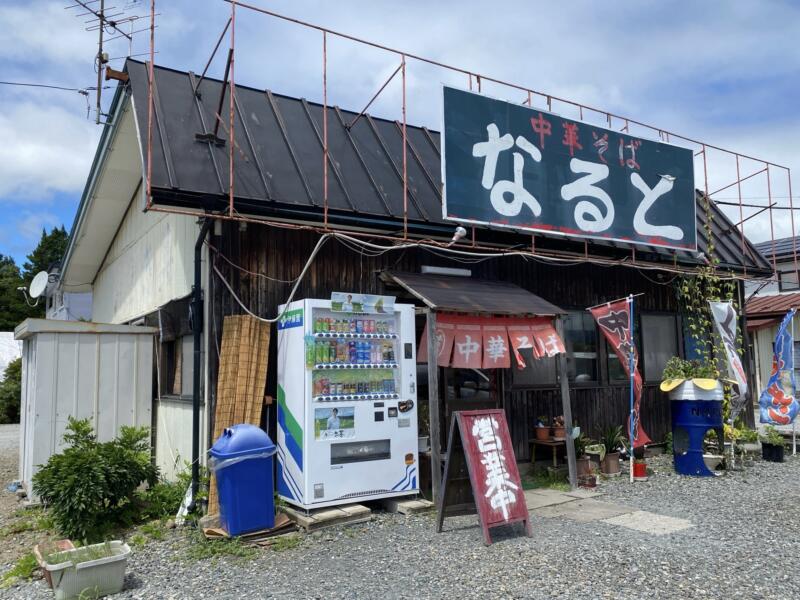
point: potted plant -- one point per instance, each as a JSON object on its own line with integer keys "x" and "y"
{"x": 772, "y": 445}
{"x": 582, "y": 461}
{"x": 611, "y": 439}
{"x": 639, "y": 469}
{"x": 542, "y": 430}
{"x": 559, "y": 431}
{"x": 98, "y": 569}
{"x": 690, "y": 380}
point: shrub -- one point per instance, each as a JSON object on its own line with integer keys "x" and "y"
{"x": 90, "y": 487}
{"x": 10, "y": 392}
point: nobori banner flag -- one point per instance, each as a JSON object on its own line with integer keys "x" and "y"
{"x": 777, "y": 402}
{"x": 725, "y": 318}
{"x": 519, "y": 167}
{"x": 614, "y": 321}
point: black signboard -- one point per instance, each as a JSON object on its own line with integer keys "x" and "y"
{"x": 510, "y": 165}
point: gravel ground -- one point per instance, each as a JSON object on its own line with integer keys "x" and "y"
{"x": 741, "y": 521}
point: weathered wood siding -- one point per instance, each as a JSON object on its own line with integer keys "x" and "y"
{"x": 281, "y": 254}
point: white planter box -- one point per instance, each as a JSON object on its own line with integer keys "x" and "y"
{"x": 90, "y": 579}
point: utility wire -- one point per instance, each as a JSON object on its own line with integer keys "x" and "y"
{"x": 53, "y": 87}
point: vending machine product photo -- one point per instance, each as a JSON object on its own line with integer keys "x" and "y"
{"x": 347, "y": 414}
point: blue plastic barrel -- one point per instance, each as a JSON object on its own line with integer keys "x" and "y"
{"x": 242, "y": 461}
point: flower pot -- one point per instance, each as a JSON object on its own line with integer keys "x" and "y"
{"x": 772, "y": 452}
{"x": 639, "y": 471}
{"x": 583, "y": 466}
{"x": 713, "y": 461}
{"x": 542, "y": 433}
{"x": 559, "y": 433}
{"x": 97, "y": 577}
{"x": 39, "y": 553}
{"x": 610, "y": 464}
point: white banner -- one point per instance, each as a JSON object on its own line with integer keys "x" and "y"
{"x": 725, "y": 318}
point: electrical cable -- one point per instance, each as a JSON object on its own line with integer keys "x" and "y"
{"x": 52, "y": 87}
{"x": 314, "y": 252}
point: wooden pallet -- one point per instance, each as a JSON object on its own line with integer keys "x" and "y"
{"x": 327, "y": 517}
{"x": 407, "y": 506}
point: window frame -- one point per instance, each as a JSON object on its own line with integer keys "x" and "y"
{"x": 604, "y": 353}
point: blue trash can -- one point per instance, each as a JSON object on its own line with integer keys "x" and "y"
{"x": 241, "y": 459}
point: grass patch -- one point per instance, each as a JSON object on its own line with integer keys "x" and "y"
{"x": 202, "y": 549}
{"x": 28, "y": 519}
{"x": 24, "y": 568}
{"x": 286, "y": 542}
{"x": 154, "y": 530}
{"x": 545, "y": 480}
{"x": 137, "y": 540}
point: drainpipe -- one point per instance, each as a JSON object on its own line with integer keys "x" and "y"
{"x": 197, "y": 331}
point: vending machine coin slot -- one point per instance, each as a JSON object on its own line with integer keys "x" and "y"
{"x": 392, "y": 411}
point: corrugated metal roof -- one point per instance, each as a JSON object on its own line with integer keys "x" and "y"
{"x": 465, "y": 294}
{"x": 754, "y": 324}
{"x": 782, "y": 247}
{"x": 777, "y": 304}
{"x": 279, "y": 157}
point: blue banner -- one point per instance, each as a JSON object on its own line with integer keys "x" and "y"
{"x": 777, "y": 402}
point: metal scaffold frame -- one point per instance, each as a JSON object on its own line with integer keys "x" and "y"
{"x": 701, "y": 149}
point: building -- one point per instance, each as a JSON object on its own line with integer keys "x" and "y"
{"x": 140, "y": 265}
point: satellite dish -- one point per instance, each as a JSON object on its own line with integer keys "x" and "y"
{"x": 38, "y": 284}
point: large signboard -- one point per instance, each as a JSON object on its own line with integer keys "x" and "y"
{"x": 509, "y": 165}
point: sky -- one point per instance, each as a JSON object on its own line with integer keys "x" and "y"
{"x": 725, "y": 73}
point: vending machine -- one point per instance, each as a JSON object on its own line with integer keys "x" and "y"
{"x": 347, "y": 414}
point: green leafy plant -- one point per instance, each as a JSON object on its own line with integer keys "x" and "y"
{"x": 612, "y": 438}
{"x": 81, "y": 555}
{"x": 771, "y": 436}
{"x": 668, "y": 443}
{"x": 748, "y": 436}
{"x": 678, "y": 368}
{"x": 581, "y": 442}
{"x": 24, "y": 568}
{"x": 90, "y": 487}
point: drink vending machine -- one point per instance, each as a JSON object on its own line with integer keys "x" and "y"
{"x": 347, "y": 414}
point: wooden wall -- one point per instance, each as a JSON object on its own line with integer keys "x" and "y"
{"x": 281, "y": 254}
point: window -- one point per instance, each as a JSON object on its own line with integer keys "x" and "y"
{"x": 787, "y": 280}
{"x": 536, "y": 372}
{"x": 660, "y": 343}
{"x": 177, "y": 366}
{"x": 580, "y": 339}
{"x": 616, "y": 372}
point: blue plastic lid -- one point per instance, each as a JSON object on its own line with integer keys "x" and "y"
{"x": 241, "y": 440}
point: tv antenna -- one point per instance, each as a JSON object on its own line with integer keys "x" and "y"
{"x": 111, "y": 23}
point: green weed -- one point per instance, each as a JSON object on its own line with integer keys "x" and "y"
{"x": 286, "y": 542}
{"x": 202, "y": 549}
{"x": 24, "y": 568}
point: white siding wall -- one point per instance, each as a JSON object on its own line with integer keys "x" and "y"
{"x": 174, "y": 436}
{"x": 148, "y": 264}
{"x": 762, "y": 342}
{"x": 105, "y": 377}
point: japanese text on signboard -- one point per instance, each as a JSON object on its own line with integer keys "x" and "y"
{"x": 513, "y": 166}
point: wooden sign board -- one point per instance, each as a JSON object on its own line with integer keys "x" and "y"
{"x": 492, "y": 466}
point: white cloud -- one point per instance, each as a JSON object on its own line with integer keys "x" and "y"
{"x": 46, "y": 148}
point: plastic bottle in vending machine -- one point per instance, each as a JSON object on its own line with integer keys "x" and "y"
{"x": 352, "y": 354}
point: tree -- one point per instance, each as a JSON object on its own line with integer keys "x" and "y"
{"x": 13, "y": 308}
{"x": 48, "y": 252}
{"x": 11, "y": 392}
